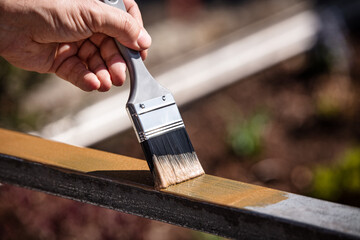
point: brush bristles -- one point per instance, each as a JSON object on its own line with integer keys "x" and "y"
{"x": 171, "y": 158}
{"x": 173, "y": 169}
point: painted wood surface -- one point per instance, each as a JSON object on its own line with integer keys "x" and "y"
{"x": 208, "y": 203}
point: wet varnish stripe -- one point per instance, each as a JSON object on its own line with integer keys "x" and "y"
{"x": 227, "y": 192}
{"x": 63, "y": 155}
{"x": 205, "y": 188}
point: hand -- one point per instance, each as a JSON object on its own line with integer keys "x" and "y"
{"x": 72, "y": 38}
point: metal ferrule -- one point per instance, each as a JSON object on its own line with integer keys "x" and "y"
{"x": 155, "y": 117}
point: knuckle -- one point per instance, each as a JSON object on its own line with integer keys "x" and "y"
{"x": 87, "y": 51}
{"x": 96, "y": 19}
{"x": 129, "y": 27}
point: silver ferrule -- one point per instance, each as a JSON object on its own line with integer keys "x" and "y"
{"x": 154, "y": 117}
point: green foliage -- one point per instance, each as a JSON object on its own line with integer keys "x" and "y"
{"x": 328, "y": 108}
{"x": 14, "y": 84}
{"x": 245, "y": 136}
{"x": 331, "y": 182}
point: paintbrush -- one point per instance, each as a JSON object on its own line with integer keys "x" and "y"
{"x": 157, "y": 123}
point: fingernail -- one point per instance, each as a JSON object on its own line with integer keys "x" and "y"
{"x": 144, "y": 39}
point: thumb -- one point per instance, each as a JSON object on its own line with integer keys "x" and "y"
{"x": 120, "y": 25}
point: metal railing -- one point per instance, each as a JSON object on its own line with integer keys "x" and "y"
{"x": 211, "y": 204}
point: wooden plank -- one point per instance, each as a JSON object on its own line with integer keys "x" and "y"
{"x": 211, "y": 204}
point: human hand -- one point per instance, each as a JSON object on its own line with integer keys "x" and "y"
{"x": 72, "y": 38}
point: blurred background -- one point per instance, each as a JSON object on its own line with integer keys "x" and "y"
{"x": 268, "y": 91}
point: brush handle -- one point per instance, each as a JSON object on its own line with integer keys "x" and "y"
{"x": 143, "y": 85}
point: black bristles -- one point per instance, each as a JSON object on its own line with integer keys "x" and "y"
{"x": 174, "y": 143}
{"x": 171, "y": 158}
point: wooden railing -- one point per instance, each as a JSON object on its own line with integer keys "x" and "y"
{"x": 211, "y": 204}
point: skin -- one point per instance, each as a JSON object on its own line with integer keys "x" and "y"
{"x": 72, "y": 38}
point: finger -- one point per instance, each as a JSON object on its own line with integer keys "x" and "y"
{"x": 75, "y": 71}
{"x": 90, "y": 55}
{"x": 98, "y": 38}
{"x": 112, "y": 57}
{"x": 86, "y": 50}
{"x": 133, "y": 9}
{"x": 120, "y": 25}
{"x": 64, "y": 51}
{"x": 144, "y": 54}
{"x": 114, "y": 61}
{"x": 97, "y": 66}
